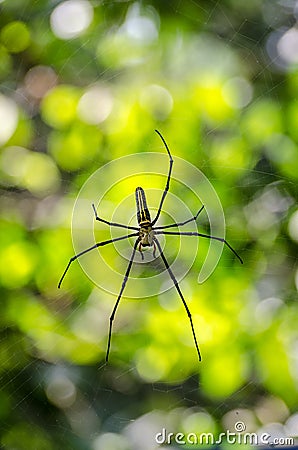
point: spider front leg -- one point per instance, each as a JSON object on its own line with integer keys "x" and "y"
{"x": 113, "y": 224}
{"x": 98, "y": 244}
{"x": 180, "y": 224}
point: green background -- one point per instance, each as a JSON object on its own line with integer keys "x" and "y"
{"x": 220, "y": 81}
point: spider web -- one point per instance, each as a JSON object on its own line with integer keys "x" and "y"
{"x": 112, "y": 406}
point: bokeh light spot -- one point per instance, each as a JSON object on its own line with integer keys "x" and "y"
{"x": 157, "y": 101}
{"x": 39, "y": 80}
{"x": 71, "y": 18}
{"x": 211, "y": 100}
{"x": 293, "y": 226}
{"x": 282, "y": 151}
{"x": 150, "y": 364}
{"x": 261, "y": 120}
{"x": 291, "y": 425}
{"x": 34, "y": 171}
{"x": 229, "y": 154}
{"x": 8, "y": 118}
{"x": 224, "y": 374}
{"x": 13, "y": 162}
{"x": 110, "y": 441}
{"x": 199, "y": 421}
{"x": 95, "y": 105}
{"x": 287, "y": 46}
{"x": 41, "y": 175}
{"x": 61, "y": 391}
{"x": 18, "y": 262}
{"x": 139, "y": 27}
{"x": 237, "y": 92}
{"x": 59, "y": 106}
{"x": 15, "y": 36}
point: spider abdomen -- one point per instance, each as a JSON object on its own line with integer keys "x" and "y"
{"x": 143, "y": 214}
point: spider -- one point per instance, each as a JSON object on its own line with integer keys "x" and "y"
{"x": 146, "y": 236}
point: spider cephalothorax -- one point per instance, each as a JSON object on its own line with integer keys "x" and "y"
{"x": 146, "y": 236}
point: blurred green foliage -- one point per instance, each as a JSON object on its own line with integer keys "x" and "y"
{"x": 84, "y": 83}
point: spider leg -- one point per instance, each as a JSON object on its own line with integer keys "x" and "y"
{"x": 114, "y": 224}
{"x": 119, "y": 297}
{"x": 98, "y": 244}
{"x": 194, "y": 233}
{"x": 168, "y": 179}
{"x": 180, "y": 224}
{"x": 154, "y": 249}
{"x": 141, "y": 251}
{"x": 180, "y": 294}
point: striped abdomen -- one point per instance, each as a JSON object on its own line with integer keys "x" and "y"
{"x": 143, "y": 214}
